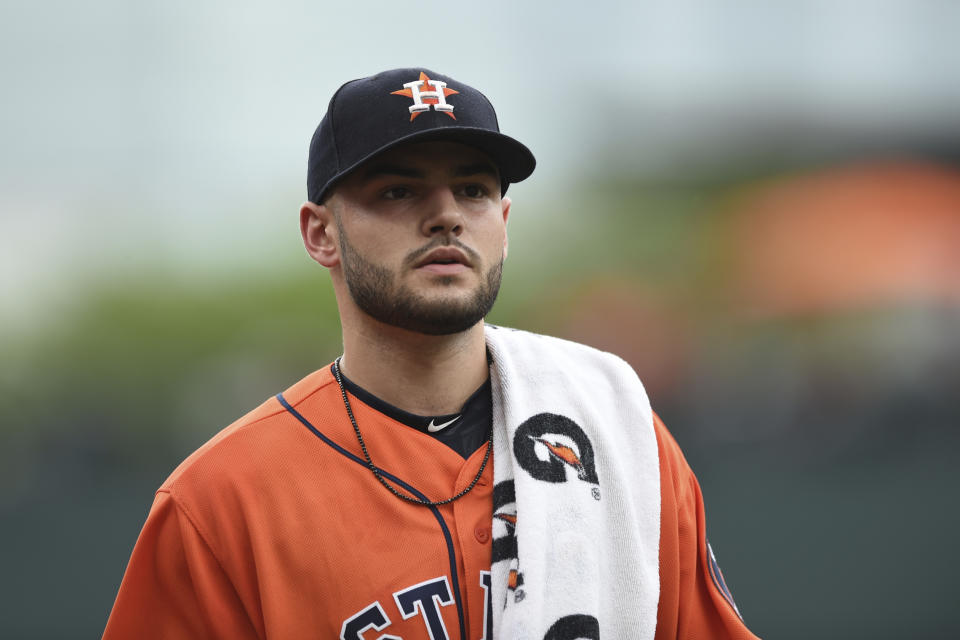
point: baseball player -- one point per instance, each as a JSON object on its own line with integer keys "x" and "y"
{"x": 444, "y": 478}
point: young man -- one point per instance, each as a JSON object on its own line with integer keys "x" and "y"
{"x": 443, "y": 478}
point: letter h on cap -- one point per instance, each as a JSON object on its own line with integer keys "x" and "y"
{"x": 437, "y": 93}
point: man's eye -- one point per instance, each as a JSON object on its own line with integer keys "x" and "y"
{"x": 474, "y": 191}
{"x": 396, "y": 193}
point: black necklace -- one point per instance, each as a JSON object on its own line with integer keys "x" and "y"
{"x": 376, "y": 471}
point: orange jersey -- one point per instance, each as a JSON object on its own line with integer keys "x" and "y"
{"x": 276, "y": 528}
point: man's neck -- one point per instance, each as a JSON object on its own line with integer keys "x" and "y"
{"x": 421, "y": 374}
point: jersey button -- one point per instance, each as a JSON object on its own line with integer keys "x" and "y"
{"x": 482, "y": 534}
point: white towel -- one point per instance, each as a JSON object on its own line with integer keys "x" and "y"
{"x": 576, "y": 522}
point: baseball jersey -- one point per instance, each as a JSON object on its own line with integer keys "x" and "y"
{"x": 276, "y": 528}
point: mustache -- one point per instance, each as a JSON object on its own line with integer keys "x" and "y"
{"x": 414, "y": 256}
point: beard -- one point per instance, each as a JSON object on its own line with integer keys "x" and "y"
{"x": 374, "y": 288}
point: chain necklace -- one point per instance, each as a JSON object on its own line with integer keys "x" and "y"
{"x": 376, "y": 472}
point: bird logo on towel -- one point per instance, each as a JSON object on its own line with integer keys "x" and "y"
{"x": 564, "y": 454}
{"x": 548, "y": 444}
{"x": 509, "y": 518}
{"x": 505, "y": 545}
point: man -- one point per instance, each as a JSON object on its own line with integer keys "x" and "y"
{"x": 443, "y": 478}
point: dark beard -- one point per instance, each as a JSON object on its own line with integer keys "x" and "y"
{"x": 374, "y": 290}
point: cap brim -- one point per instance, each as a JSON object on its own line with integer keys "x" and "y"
{"x": 513, "y": 159}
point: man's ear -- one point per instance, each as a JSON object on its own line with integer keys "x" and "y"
{"x": 319, "y": 234}
{"x": 505, "y": 204}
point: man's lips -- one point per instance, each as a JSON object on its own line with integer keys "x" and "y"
{"x": 444, "y": 260}
{"x": 439, "y": 268}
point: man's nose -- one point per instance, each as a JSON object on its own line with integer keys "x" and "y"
{"x": 442, "y": 214}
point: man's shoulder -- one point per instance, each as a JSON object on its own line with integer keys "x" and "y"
{"x": 250, "y": 441}
{"x": 522, "y": 339}
{"x": 554, "y": 352}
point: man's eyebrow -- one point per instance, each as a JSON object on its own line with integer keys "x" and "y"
{"x": 386, "y": 169}
{"x": 476, "y": 168}
{"x": 405, "y": 171}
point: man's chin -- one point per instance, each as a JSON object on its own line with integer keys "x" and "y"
{"x": 426, "y": 279}
{"x": 435, "y": 325}
{"x": 443, "y": 314}
{"x": 426, "y": 302}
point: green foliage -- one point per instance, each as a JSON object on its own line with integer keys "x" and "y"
{"x": 129, "y": 361}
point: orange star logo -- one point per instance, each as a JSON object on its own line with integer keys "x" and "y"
{"x": 426, "y": 98}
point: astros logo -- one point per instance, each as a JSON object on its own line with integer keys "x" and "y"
{"x": 423, "y": 100}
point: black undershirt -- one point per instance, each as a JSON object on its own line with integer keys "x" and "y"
{"x": 467, "y": 431}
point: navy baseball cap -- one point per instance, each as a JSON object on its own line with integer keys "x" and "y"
{"x": 370, "y": 115}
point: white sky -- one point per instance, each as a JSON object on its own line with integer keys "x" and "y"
{"x": 177, "y": 130}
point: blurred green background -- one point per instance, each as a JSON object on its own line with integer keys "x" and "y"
{"x": 757, "y": 205}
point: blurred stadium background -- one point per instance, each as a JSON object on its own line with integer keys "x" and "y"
{"x": 757, "y": 204}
